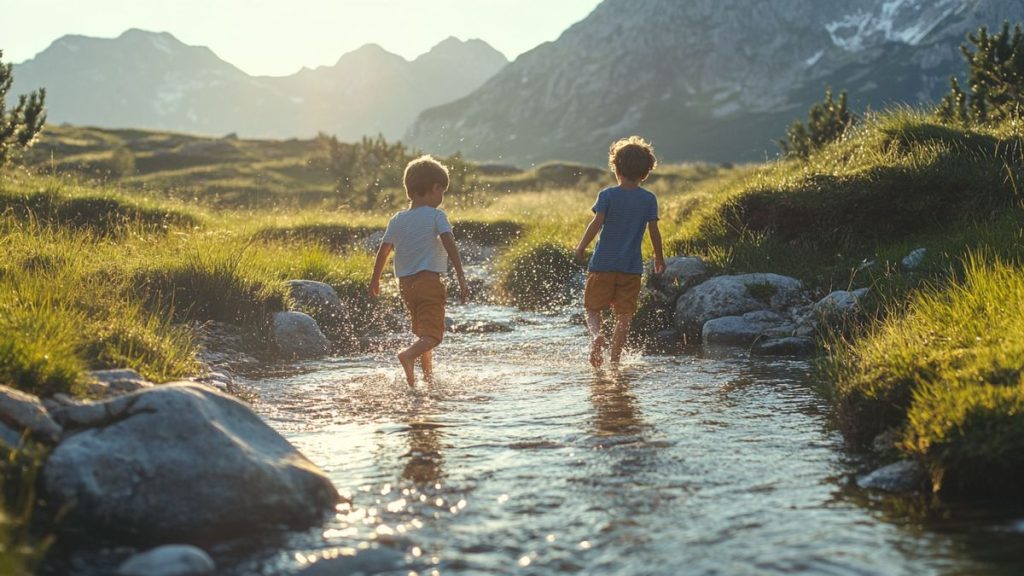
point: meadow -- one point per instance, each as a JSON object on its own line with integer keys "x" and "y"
{"x": 117, "y": 245}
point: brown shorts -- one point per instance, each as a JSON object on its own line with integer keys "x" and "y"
{"x": 616, "y": 289}
{"x": 424, "y": 295}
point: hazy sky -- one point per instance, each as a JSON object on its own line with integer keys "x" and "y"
{"x": 278, "y": 37}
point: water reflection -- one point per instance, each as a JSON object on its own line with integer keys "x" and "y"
{"x": 425, "y": 460}
{"x": 615, "y": 406}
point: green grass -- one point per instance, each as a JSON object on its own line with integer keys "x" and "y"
{"x": 901, "y": 180}
{"x": 946, "y": 370}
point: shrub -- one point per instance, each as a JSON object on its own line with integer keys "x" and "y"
{"x": 827, "y": 121}
{"x": 541, "y": 275}
{"x": 217, "y": 284}
{"x": 20, "y": 126}
{"x": 995, "y": 70}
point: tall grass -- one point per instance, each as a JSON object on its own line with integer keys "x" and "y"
{"x": 947, "y": 372}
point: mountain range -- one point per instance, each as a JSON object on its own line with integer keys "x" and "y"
{"x": 711, "y": 80}
{"x": 152, "y": 80}
{"x": 715, "y": 80}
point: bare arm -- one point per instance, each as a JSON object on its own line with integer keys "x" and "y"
{"x": 659, "y": 256}
{"x": 588, "y": 236}
{"x": 448, "y": 241}
{"x": 378, "y": 268}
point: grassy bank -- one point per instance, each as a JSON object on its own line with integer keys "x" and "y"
{"x": 938, "y": 361}
{"x": 946, "y": 373}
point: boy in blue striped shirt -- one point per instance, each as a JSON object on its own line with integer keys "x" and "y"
{"x": 621, "y": 214}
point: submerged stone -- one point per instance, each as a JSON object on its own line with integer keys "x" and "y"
{"x": 902, "y": 476}
{"x": 170, "y": 560}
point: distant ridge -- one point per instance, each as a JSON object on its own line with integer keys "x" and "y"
{"x": 715, "y": 80}
{"x": 152, "y": 80}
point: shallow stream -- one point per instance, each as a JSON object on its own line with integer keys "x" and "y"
{"x": 522, "y": 459}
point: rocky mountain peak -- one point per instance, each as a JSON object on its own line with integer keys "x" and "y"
{"x": 706, "y": 79}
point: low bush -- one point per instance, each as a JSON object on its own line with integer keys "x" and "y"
{"x": 219, "y": 283}
{"x": 539, "y": 276}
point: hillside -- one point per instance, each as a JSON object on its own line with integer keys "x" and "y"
{"x": 706, "y": 80}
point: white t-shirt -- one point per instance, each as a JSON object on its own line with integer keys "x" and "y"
{"x": 416, "y": 235}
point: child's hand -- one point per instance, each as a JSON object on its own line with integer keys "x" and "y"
{"x": 659, "y": 265}
{"x": 581, "y": 254}
{"x": 375, "y": 288}
{"x": 463, "y": 292}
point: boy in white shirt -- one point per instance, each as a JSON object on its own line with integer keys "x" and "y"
{"x": 423, "y": 243}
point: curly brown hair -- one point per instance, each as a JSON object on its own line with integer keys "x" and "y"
{"x": 422, "y": 174}
{"x": 632, "y": 158}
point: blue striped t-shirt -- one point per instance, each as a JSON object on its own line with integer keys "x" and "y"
{"x": 626, "y": 214}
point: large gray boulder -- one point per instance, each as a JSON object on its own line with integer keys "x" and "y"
{"x": 180, "y": 463}
{"x": 318, "y": 300}
{"x": 297, "y": 335}
{"x": 734, "y": 296}
{"x": 20, "y": 412}
{"x": 746, "y": 329}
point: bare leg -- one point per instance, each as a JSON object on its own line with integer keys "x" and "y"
{"x": 596, "y": 338}
{"x": 427, "y": 363}
{"x": 622, "y": 322}
{"x": 408, "y": 356}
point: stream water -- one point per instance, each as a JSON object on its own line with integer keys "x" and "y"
{"x": 522, "y": 459}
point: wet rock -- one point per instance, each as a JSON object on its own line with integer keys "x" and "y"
{"x": 681, "y": 274}
{"x": 902, "y": 476}
{"x": 839, "y": 304}
{"x": 372, "y": 561}
{"x": 744, "y": 330}
{"x": 913, "y": 260}
{"x": 114, "y": 382}
{"x": 20, "y": 411}
{"x": 318, "y": 300}
{"x": 788, "y": 346}
{"x": 297, "y": 335}
{"x": 170, "y": 560}
{"x": 10, "y": 439}
{"x": 219, "y": 380}
{"x": 734, "y": 296}
{"x": 180, "y": 462}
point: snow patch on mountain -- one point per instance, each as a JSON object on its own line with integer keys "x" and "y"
{"x": 902, "y": 21}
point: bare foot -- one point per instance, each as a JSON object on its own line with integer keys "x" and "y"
{"x": 407, "y": 364}
{"x": 597, "y": 351}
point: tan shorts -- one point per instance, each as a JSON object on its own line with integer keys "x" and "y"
{"x": 615, "y": 289}
{"x": 424, "y": 295}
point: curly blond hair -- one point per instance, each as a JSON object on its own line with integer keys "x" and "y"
{"x": 422, "y": 173}
{"x": 632, "y": 158}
